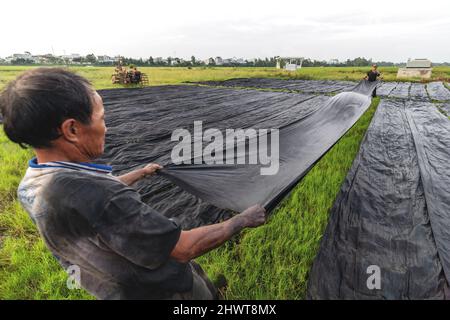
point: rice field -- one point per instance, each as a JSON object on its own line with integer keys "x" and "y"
{"x": 101, "y": 76}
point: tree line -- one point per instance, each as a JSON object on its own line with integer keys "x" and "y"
{"x": 194, "y": 62}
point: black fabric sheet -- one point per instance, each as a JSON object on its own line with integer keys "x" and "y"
{"x": 446, "y": 108}
{"x": 401, "y": 91}
{"x": 393, "y": 211}
{"x": 386, "y": 88}
{"x": 301, "y": 144}
{"x": 438, "y": 91}
{"x": 418, "y": 91}
{"x": 414, "y": 91}
{"x": 306, "y": 86}
{"x": 140, "y": 124}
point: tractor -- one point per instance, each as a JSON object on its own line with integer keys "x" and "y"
{"x": 131, "y": 76}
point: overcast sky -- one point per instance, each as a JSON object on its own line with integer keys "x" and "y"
{"x": 383, "y": 29}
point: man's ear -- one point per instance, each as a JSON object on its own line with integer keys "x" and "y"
{"x": 70, "y": 130}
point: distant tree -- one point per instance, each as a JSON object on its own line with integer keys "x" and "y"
{"x": 193, "y": 61}
{"x": 91, "y": 58}
{"x": 54, "y": 60}
{"x": 150, "y": 61}
{"x": 358, "y": 62}
{"x": 385, "y": 63}
{"x": 21, "y": 61}
{"x": 273, "y": 62}
{"x": 307, "y": 63}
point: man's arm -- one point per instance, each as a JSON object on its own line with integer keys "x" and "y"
{"x": 135, "y": 175}
{"x": 196, "y": 242}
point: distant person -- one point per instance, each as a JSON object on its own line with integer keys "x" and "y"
{"x": 130, "y": 75}
{"x": 136, "y": 75}
{"x": 94, "y": 221}
{"x": 372, "y": 76}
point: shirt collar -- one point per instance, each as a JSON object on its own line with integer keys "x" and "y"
{"x": 100, "y": 168}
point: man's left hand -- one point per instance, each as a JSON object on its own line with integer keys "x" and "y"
{"x": 151, "y": 168}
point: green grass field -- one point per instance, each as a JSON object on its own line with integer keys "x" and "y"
{"x": 270, "y": 262}
{"x": 101, "y": 76}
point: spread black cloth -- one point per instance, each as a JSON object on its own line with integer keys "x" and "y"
{"x": 446, "y": 108}
{"x": 305, "y": 86}
{"x": 393, "y": 212}
{"x": 301, "y": 144}
{"x": 140, "y": 124}
{"x": 438, "y": 91}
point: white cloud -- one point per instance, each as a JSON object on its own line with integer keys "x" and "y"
{"x": 382, "y": 30}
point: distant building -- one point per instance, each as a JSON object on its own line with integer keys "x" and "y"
{"x": 40, "y": 59}
{"x": 71, "y": 58}
{"x": 26, "y": 56}
{"x": 218, "y": 61}
{"x": 333, "y": 61}
{"x": 419, "y": 63}
{"x": 420, "y": 68}
{"x": 177, "y": 61}
{"x": 46, "y": 58}
{"x": 209, "y": 61}
{"x": 290, "y": 63}
{"x": 106, "y": 59}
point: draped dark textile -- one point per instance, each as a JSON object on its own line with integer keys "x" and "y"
{"x": 140, "y": 124}
{"x": 393, "y": 212}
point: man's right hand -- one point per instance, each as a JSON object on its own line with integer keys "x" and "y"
{"x": 253, "y": 216}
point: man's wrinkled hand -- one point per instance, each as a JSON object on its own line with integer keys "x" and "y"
{"x": 151, "y": 168}
{"x": 254, "y": 216}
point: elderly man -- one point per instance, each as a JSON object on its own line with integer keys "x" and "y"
{"x": 91, "y": 219}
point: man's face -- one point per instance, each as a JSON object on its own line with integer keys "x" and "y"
{"x": 92, "y": 138}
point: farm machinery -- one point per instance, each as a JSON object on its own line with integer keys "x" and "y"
{"x": 131, "y": 75}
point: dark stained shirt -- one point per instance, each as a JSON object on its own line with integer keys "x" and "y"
{"x": 90, "y": 219}
{"x": 373, "y": 75}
